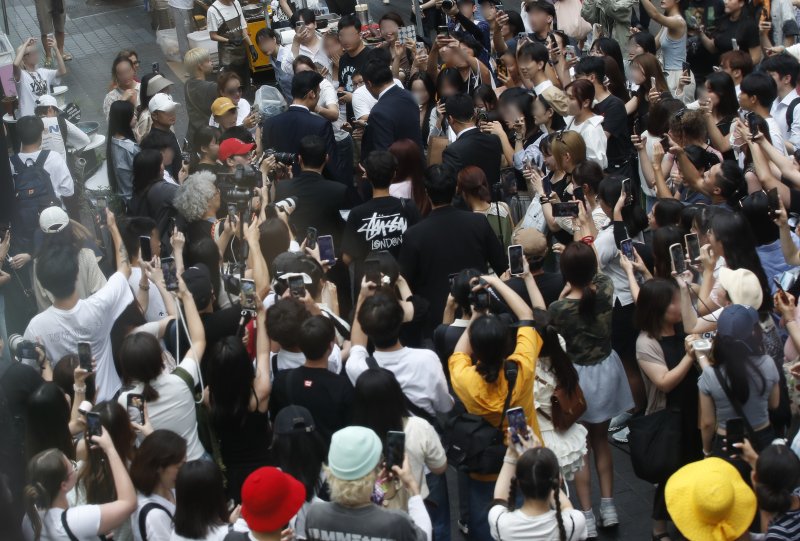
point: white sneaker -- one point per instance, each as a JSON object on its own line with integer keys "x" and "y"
{"x": 622, "y": 435}
{"x": 591, "y": 525}
{"x": 608, "y": 516}
{"x": 619, "y": 421}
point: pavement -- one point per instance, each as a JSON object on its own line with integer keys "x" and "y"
{"x": 98, "y": 29}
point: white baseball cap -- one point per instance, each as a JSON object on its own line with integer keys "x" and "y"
{"x": 47, "y": 101}
{"x": 162, "y": 102}
{"x": 53, "y": 220}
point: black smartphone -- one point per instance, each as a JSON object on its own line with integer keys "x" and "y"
{"x": 340, "y": 93}
{"x": 102, "y": 205}
{"x": 665, "y": 143}
{"x": 451, "y": 278}
{"x": 372, "y": 271}
{"x": 85, "y": 355}
{"x": 734, "y": 433}
{"x": 515, "y": 256}
{"x": 772, "y": 200}
{"x": 692, "y": 246}
{"x": 677, "y": 256}
{"x": 297, "y": 287}
{"x": 185, "y": 152}
{"x": 565, "y": 210}
{"x": 247, "y": 294}
{"x": 626, "y": 187}
{"x": 785, "y": 280}
{"x": 311, "y": 237}
{"x": 686, "y": 68}
{"x": 637, "y": 127}
{"x": 626, "y": 247}
{"x": 156, "y": 68}
{"x": 93, "y": 425}
{"x": 232, "y": 211}
{"x": 136, "y": 408}
{"x": 517, "y": 422}
{"x": 577, "y": 193}
{"x": 442, "y": 30}
{"x": 170, "y": 271}
{"x": 499, "y": 7}
{"x": 395, "y": 448}
{"x": 481, "y": 300}
{"x": 326, "y": 252}
{"x": 145, "y": 249}
{"x": 752, "y": 123}
{"x": 26, "y": 353}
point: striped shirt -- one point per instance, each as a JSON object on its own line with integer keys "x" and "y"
{"x": 785, "y": 527}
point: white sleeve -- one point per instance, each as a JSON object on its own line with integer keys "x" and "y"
{"x": 63, "y": 185}
{"x": 327, "y": 94}
{"x": 419, "y": 514}
{"x": 114, "y": 297}
{"x": 794, "y": 129}
{"x": 356, "y": 363}
{"x": 84, "y": 521}
{"x": 212, "y": 20}
{"x": 442, "y": 401}
{"x": 191, "y": 366}
{"x": 494, "y": 514}
{"x": 158, "y": 526}
{"x": 363, "y": 102}
{"x": 598, "y": 143}
{"x": 606, "y": 247}
{"x": 794, "y": 50}
{"x": 76, "y": 138}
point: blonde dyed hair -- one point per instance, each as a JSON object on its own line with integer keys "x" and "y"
{"x": 195, "y": 57}
{"x": 351, "y": 493}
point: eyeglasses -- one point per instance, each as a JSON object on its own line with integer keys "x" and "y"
{"x": 237, "y": 90}
{"x": 136, "y": 63}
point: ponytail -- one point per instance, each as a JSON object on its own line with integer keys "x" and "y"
{"x": 512, "y": 494}
{"x": 149, "y": 394}
{"x": 47, "y": 471}
{"x": 35, "y": 498}
{"x": 588, "y": 301}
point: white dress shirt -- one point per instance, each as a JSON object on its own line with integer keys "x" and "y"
{"x": 778, "y": 112}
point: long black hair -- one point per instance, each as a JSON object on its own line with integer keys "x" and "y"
{"x": 777, "y": 477}
{"x": 47, "y": 423}
{"x": 146, "y": 169}
{"x": 633, "y": 215}
{"x": 663, "y": 238}
{"x": 654, "y": 298}
{"x": 564, "y": 370}
{"x": 578, "y": 267}
{"x": 230, "y": 376}
{"x": 610, "y": 47}
{"x": 379, "y": 402}
{"x": 200, "y": 499}
{"x": 301, "y": 455}
{"x": 119, "y": 123}
{"x": 491, "y": 343}
{"x": 721, "y": 84}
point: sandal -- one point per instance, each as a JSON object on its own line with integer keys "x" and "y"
{"x": 66, "y": 56}
{"x": 48, "y": 62}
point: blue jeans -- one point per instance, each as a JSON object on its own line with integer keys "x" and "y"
{"x": 440, "y": 514}
{"x": 481, "y": 494}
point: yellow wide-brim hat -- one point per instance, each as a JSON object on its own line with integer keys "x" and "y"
{"x": 708, "y": 501}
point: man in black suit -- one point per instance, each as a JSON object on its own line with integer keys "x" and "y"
{"x": 318, "y": 199}
{"x": 447, "y": 241}
{"x": 472, "y": 146}
{"x": 284, "y": 132}
{"x": 395, "y": 116}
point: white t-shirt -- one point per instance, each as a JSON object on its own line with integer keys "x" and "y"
{"x": 517, "y": 526}
{"x": 90, "y": 320}
{"x": 418, "y": 371}
{"x": 56, "y": 167}
{"x": 156, "y": 309}
{"x": 288, "y": 360}
{"x": 424, "y": 450}
{"x": 31, "y": 86}
{"x": 158, "y": 524}
{"x": 53, "y": 139}
{"x": 228, "y": 12}
{"x": 217, "y": 533}
{"x": 174, "y": 409}
{"x": 181, "y": 4}
{"x": 83, "y": 522}
{"x": 363, "y": 101}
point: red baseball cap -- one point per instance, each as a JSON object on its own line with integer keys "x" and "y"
{"x": 234, "y": 147}
{"x": 270, "y": 498}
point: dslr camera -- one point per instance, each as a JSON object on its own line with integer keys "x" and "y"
{"x": 286, "y": 158}
{"x": 447, "y": 5}
{"x": 24, "y": 351}
{"x": 238, "y": 187}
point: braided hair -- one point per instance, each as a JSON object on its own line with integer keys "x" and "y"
{"x": 538, "y": 475}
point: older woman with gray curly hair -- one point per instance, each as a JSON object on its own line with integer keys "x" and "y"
{"x": 197, "y": 201}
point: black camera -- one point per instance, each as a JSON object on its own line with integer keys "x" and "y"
{"x": 238, "y": 187}
{"x": 286, "y": 158}
{"x": 447, "y": 5}
{"x": 24, "y": 351}
{"x": 480, "y": 300}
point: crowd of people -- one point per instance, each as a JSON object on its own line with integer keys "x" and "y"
{"x": 481, "y": 255}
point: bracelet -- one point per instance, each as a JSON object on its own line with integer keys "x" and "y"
{"x": 509, "y": 460}
{"x": 144, "y": 287}
{"x": 544, "y": 200}
{"x": 588, "y": 240}
{"x": 79, "y": 389}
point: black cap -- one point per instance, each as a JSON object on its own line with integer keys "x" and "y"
{"x": 198, "y": 281}
{"x": 542, "y": 5}
{"x": 293, "y": 420}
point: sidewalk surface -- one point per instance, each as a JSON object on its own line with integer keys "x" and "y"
{"x": 98, "y": 29}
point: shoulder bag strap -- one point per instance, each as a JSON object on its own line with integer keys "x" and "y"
{"x": 736, "y": 405}
{"x": 274, "y": 362}
{"x": 143, "y": 517}
{"x": 66, "y": 527}
{"x": 510, "y": 369}
{"x": 41, "y": 158}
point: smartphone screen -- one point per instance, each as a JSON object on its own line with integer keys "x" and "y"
{"x": 136, "y": 408}
{"x": 26, "y": 353}
{"x": 93, "y": 425}
{"x": 626, "y": 247}
{"x": 577, "y": 193}
{"x": 772, "y": 199}
{"x": 677, "y": 256}
{"x": 170, "y": 271}
{"x": 395, "y": 448}
{"x": 516, "y": 421}
{"x": 247, "y": 294}
{"x": 626, "y": 187}
{"x": 232, "y": 211}
{"x": 311, "y": 237}
{"x": 752, "y": 123}
{"x": 326, "y": 252}
{"x": 85, "y": 355}
{"x": 692, "y": 246}
{"x": 734, "y": 430}
{"x": 442, "y": 30}
{"x": 297, "y": 287}
{"x": 652, "y": 82}
{"x": 637, "y": 127}
{"x": 515, "y": 259}
{"x": 565, "y": 210}
{"x": 144, "y": 246}
{"x": 372, "y": 271}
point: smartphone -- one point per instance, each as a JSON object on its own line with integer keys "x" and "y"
{"x": 372, "y": 271}
{"x": 232, "y": 211}
{"x": 93, "y": 425}
{"x": 522, "y": 36}
{"x": 395, "y": 448}
{"x": 297, "y": 287}
{"x": 298, "y": 26}
{"x": 27, "y": 354}
{"x": 247, "y": 294}
{"x": 102, "y": 205}
{"x": 626, "y": 187}
{"x": 311, "y": 237}
{"x": 146, "y": 254}
{"x": 652, "y": 82}
{"x": 451, "y": 278}
{"x": 156, "y": 68}
{"x": 577, "y": 193}
{"x": 565, "y": 210}
{"x": 326, "y": 252}
{"x": 637, "y": 126}
{"x": 752, "y": 123}
{"x": 340, "y": 93}
{"x": 677, "y": 256}
{"x": 734, "y": 44}
{"x": 515, "y": 256}
{"x": 420, "y": 48}
{"x": 481, "y": 300}
{"x": 85, "y": 355}
{"x": 686, "y": 68}
{"x": 772, "y": 200}
{"x": 785, "y": 280}
{"x": 665, "y": 143}
{"x": 626, "y": 247}
{"x": 136, "y": 408}
{"x": 734, "y": 433}
{"x": 170, "y": 271}
{"x": 569, "y": 52}
{"x": 442, "y": 30}
{"x": 518, "y": 423}
{"x": 692, "y": 246}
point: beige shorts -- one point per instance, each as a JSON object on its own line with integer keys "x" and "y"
{"x": 48, "y": 22}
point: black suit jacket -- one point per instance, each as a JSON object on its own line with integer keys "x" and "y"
{"x": 318, "y": 203}
{"x": 476, "y": 148}
{"x": 449, "y": 240}
{"x": 283, "y": 133}
{"x": 394, "y": 117}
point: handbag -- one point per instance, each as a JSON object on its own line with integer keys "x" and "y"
{"x": 566, "y": 407}
{"x": 655, "y": 444}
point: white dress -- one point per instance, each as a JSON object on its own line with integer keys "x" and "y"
{"x": 569, "y": 446}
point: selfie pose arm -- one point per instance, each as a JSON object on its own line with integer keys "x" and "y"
{"x": 114, "y": 514}
{"x": 123, "y": 260}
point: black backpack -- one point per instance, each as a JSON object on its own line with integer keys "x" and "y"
{"x": 33, "y": 192}
{"x": 473, "y": 444}
{"x": 790, "y": 113}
